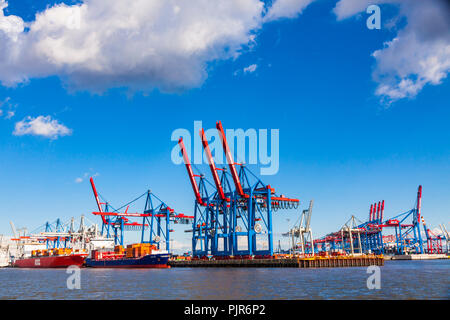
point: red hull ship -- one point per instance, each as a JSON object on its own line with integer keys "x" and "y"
{"x": 51, "y": 261}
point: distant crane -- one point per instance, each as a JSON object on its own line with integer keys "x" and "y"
{"x": 434, "y": 242}
{"x": 369, "y": 235}
{"x": 305, "y": 229}
{"x": 156, "y": 218}
{"x": 446, "y": 236}
{"x": 303, "y": 232}
{"x": 18, "y": 232}
{"x": 13, "y": 228}
{"x": 352, "y": 230}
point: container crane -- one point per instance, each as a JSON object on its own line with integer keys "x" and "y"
{"x": 408, "y": 235}
{"x": 219, "y": 225}
{"x": 253, "y": 206}
{"x": 446, "y": 236}
{"x": 301, "y": 236}
{"x": 156, "y": 218}
{"x": 434, "y": 242}
{"x": 212, "y": 222}
{"x": 203, "y": 212}
{"x": 13, "y": 228}
{"x": 247, "y": 210}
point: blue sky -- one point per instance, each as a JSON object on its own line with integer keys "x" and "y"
{"x": 341, "y": 143}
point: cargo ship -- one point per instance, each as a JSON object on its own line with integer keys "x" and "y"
{"x": 53, "y": 258}
{"x": 140, "y": 255}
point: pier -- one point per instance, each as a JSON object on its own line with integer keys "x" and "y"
{"x": 416, "y": 257}
{"x": 312, "y": 262}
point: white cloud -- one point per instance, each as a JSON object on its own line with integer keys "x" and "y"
{"x": 141, "y": 45}
{"x": 2, "y": 103}
{"x": 41, "y": 126}
{"x": 180, "y": 247}
{"x": 261, "y": 242}
{"x": 10, "y": 114}
{"x": 10, "y": 25}
{"x": 437, "y": 231}
{"x": 347, "y": 8}
{"x": 286, "y": 9}
{"x": 251, "y": 68}
{"x": 6, "y": 104}
{"x": 86, "y": 175}
{"x": 420, "y": 52}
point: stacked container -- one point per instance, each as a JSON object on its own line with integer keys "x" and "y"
{"x": 119, "y": 249}
{"x": 138, "y": 250}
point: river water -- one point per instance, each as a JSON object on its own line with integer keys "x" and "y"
{"x": 398, "y": 280}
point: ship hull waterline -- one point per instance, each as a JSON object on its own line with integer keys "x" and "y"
{"x": 148, "y": 261}
{"x": 51, "y": 261}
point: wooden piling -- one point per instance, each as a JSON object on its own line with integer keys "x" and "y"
{"x": 310, "y": 262}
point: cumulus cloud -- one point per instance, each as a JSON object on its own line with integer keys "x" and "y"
{"x": 41, "y": 126}
{"x": 347, "y": 8}
{"x": 10, "y": 25}
{"x": 420, "y": 52}
{"x": 286, "y": 9}
{"x": 141, "y": 45}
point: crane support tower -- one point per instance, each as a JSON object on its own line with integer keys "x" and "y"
{"x": 301, "y": 235}
{"x": 156, "y": 218}
{"x": 367, "y": 237}
{"x": 233, "y": 215}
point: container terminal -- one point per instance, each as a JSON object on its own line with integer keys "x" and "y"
{"x": 231, "y": 226}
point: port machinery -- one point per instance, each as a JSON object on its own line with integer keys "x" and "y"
{"x": 434, "y": 242}
{"x": 231, "y": 218}
{"x": 301, "y": 236}
{"x": 367, "y": 237}
{"x": 58, "y": 235}
{"x": 408, "y": 236}
{"x": 446, "y": 237}
{"x": 156, "y": 218}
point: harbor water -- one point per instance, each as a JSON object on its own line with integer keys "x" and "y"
{"x": 427, "y": 279}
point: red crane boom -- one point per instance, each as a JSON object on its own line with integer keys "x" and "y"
{"x": 419, "y": 202}
{"x": 187, "y": 163}
{"x": 97, "y": 198}
{"x": 378, "y": 211}
{"x": 212, "y": 166}
{"x": 374, "y": 209}
{"x": 230, "y": 160}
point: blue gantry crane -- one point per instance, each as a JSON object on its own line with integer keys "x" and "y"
{"x": 368, "y": 236}
{"x": 156, "y": 218}
{"x": 408, "y": 237}
{"x": 229, "y": 221}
